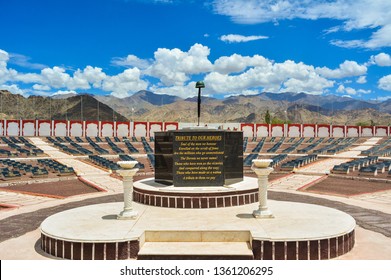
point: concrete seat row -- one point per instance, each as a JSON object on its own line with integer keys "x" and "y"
{"x": 299, "y": 162}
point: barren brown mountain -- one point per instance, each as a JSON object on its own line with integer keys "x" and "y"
{"x": 147, "y": 106}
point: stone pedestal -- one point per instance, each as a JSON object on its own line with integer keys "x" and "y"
{"x": 260, "y": 167}
{"x": 127, "y": 174}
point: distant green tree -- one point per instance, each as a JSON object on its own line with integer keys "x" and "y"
{"x": 267, "y": 117}
{"x": 276, "y": 120}
{"x": 362, "y": 124}
{"x": 373, "y": 123}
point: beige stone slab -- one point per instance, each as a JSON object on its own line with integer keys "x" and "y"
{"x": 196, "y": 248}
{"x": 197, "y": 236}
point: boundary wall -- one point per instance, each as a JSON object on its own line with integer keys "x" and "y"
{"x": 79, "y": 128}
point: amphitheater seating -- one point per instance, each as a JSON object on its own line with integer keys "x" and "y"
{"x": 368, "y": 170}
{"x": 151, "y": 158}
{"x": 96, "y": 147}
{"x": 10, "y": 174}
{"x": 298, "y": 162}
{"x": 39, "y": 172}
{"x": 294, "y": 146}
{"x": 101, "y": 161}
{"x": 259, "y": 146}
{"x": 5, "y": 152}
{"x": 81, "y": 149}
{"x": 249, "y": 159}
{"x": 387, "y": 164}
{"x": 341, "y": 169}
{"x": 356, "y": 164}
{"x": 383, "y": 149}
{"x": 54, "y": 166}
{"x": 146, "y": 145}
{"x": 245, "y": 142}
{"x": 276, "y": 146}
{"x": 130, "y": 147}
{"x": 291, "y": 140}
{"x": 114, "y": 147}
{"x": 310, "y": 147}
{"x": 278, "y": 159}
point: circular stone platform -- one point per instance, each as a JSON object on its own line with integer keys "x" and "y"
{"x": 298, "y": 231}
{"x": 149, "y": 192}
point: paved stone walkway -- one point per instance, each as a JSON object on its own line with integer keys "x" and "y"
{"x": 18, "y": 199}
{"x": 93, "y": 175}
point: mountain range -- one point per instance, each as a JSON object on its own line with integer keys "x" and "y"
{"x": 148, "y": 106}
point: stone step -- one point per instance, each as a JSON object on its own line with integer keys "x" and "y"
{"x": 196, "y": 251}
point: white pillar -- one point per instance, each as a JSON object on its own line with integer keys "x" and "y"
{"x": 127, "y": 174}
{"x": 260, "y": 167}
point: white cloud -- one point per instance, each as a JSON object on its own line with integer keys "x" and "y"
{"x": 236, "y": 38}
{"x": 55, "y": 77}
{"x": 14, "y": 89}
{"x": 385, "y": 83}
{"x": 24, "y": 61}
{"x": 39, "y": 87}
{"x": 346, "y": 69}
{"x": 341, "y": 89}
{"x": 63, "y": 92}
{"x": 184, "y": 91}
{"x": 363, "y": 91}
{"x": 354, "y": 14}
{"x": 237, "y": 63}
{"x": 277, "y": 77}
{"x": 131, "y": 61}
{"x": 362, "y": 80}
{"x": 382, "y": 59}
{"x": 350, "y": 91}
{"x": 125, "y": 83}
{"x": 93, "y": 75}
{"x": 4, "y": 73}
{"x": 174, "y": 66}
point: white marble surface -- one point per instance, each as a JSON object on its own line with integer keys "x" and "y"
{"x": 293, "y": 221}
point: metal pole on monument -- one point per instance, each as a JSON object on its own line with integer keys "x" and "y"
{"x": 199, "y": 85}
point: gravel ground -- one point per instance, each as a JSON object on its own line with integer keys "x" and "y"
{"x": 59, "y": 189}
{"x": 347, "y": 187}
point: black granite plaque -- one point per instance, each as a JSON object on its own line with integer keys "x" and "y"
{"x": 199, "y": 157}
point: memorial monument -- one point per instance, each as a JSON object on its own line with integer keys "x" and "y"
{"x": 198, "y": 174}
{"x": 198, "y": 156}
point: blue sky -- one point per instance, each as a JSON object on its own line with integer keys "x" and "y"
{"x": 119, "y": 47}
